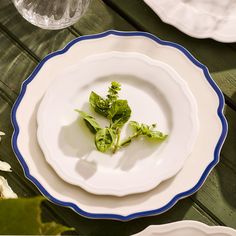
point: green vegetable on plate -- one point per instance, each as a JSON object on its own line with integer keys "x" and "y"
{"x": 118, "y": 112}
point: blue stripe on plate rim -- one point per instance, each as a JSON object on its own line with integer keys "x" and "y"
{"x": 177, "y": 197}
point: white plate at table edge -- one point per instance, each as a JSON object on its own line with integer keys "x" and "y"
{"x": 103, "y": 182}
{"x": 182, "y": 22}
{"x": 115, "y": 213}
{"x": 190, "y": 225}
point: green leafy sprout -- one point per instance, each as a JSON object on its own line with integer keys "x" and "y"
{"x": 118, "y": 112}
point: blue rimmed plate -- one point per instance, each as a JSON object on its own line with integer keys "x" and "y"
{"x": 165, "y": 195}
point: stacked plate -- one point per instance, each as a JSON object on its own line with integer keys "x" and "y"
{"x": 199, "y": 18}
{"x": 163, "y": 83}
{"x": 187, "y": 227}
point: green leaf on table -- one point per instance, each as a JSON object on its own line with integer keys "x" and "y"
{"x": 22, "y": 216}
{"x": 52, "y": 228}
{"x": 90, "y": 121}
{"x": 104, "y": 139}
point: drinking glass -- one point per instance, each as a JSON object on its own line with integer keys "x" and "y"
{"x": 52, "y": 14}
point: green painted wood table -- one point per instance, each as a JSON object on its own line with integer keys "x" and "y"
{"x": 23, "y": 45}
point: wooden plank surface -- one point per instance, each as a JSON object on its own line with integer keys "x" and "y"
{"x": 218, "y": 194}
{"x": 184, "y": 210}
{"x": 38, "y": 42}
{"x": 229, "y": 147}
{"x": 99, "y": 18}
{"x": 24, "y": 45}
{"x": 15, "y": 64}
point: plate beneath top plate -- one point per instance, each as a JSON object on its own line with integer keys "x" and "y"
{"x": 199, "y": 18}
{"x": 205, "y": 154}
{"x": 156, "y": 94}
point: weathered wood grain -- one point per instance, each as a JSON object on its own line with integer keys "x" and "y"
{"x": 99, "y": 18}
{"x": 184, "y": 210}
{"x": 218, "y": 195}
{"x": 229, "y": 148}
{"x": 227, "y": 80}
{"x": 38, "y": 42}
{"x": 15, "y": 64}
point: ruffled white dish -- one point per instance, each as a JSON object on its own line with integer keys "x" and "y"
{"x": 156, "y": 94}
{"x": 185, "y": 228}
{"x": 205, "y": 154}
{"x": 199, "y": 18}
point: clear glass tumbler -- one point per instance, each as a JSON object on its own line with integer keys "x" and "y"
{"x": 51, "y": 14}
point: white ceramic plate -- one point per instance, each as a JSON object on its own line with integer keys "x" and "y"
{"x": 199, "y": 18}
{"x": 186, "y": 228}
{"x": 156, "y": 94}
{"x": 205, "y": 154}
